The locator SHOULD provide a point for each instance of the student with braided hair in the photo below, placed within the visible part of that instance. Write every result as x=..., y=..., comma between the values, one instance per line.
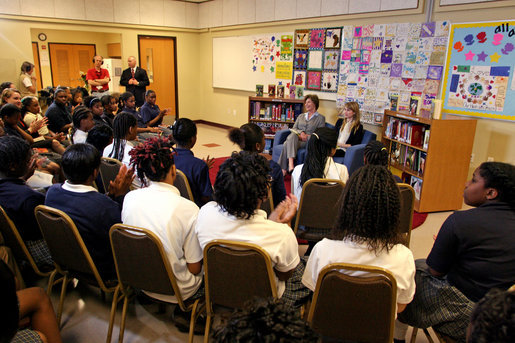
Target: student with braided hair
x=125, y=128
x=473, y=253
x=319, y=162
x=366, y=232
x=250, y=137
x=184, y=132
x=160, y=208
x=82, y=123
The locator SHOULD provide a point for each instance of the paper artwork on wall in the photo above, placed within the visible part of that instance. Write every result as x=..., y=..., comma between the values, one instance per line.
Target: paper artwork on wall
x=317, y=61
x=391, y=59
x=314, y=80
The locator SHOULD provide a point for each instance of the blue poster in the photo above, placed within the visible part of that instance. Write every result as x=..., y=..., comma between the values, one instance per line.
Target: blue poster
x=479, y=71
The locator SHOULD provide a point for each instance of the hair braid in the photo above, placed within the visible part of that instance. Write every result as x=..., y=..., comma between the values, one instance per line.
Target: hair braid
x=320, y=144
x=121, y=125
x=369, y=210
x=153, y=159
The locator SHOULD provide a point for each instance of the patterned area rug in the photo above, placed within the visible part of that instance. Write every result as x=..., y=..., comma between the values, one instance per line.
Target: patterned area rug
x=418, y=218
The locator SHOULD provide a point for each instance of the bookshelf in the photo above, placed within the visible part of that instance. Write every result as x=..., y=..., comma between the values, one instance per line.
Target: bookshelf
x=432, y=155
x=273, y=114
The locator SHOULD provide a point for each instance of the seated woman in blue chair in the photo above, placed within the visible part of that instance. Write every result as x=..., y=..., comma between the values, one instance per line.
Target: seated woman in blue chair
x=350, y=129
x=304, y=126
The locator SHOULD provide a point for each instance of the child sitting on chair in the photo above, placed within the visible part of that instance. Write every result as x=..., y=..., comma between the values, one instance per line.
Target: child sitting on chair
x=184, y=133
x=367, y=233
x=93, y=213
x=319, y=161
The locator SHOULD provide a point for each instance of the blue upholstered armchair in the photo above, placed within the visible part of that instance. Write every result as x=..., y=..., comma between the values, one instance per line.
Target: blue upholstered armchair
x=353, y=157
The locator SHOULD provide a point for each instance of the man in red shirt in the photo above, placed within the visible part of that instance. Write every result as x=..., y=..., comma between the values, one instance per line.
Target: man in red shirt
x=98, y=78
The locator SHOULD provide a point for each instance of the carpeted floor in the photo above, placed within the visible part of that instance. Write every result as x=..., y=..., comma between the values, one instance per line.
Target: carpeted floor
x=418, y=218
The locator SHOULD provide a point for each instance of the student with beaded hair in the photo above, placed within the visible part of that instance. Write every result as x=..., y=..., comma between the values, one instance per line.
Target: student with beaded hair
x=319, y=162
x=250, y=137
x=184, y=133
x=160, y=208
x=366, y=232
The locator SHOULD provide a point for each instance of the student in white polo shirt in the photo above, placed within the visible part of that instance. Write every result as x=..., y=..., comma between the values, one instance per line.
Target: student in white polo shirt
x=160, y=208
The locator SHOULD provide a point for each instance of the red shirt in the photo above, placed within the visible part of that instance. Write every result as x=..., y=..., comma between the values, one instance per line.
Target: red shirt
x=93, y=74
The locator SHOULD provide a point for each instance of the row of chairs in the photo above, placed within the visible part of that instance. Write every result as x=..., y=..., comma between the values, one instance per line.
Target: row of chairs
x=234, y=273
x=59, y=231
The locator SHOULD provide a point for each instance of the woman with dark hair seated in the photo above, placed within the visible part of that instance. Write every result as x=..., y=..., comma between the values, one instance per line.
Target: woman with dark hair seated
x=241, y=185
x=250, y=137
x=366, y=232
x=473, y=252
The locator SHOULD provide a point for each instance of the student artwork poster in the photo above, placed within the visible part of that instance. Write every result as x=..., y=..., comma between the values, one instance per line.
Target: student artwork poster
x=479, y=78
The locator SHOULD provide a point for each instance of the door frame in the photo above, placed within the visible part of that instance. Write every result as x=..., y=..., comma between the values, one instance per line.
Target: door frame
x=39, y=64
x=50, y=56
x=174, y=39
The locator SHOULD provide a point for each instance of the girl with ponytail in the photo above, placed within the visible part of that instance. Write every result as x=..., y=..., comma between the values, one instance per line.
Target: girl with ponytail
x=319, y=161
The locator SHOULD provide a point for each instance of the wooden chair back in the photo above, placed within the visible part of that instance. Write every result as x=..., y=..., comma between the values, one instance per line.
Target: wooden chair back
x=14, y=241
x=182, y=184
x=109, y=168
x=319, y=205
x=406, y=215
x=354, y=308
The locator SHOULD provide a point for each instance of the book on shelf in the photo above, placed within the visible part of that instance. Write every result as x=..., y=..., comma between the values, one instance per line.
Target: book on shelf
x=280, y=91
x=410, y=158
x=259, y=90
x=421, y=163
x=426, y=139
x=414, y=105
x=394, y=101
x=416, y=183
x=402, y=155
x=292, y=91
x=271, y=90
x=395, y=153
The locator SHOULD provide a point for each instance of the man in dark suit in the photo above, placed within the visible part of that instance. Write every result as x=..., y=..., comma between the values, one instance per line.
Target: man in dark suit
x=135, y=81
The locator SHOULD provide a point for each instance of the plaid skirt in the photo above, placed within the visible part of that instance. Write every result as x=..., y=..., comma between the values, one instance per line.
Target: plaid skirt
x=40, y=253
x=296, y=294
x=437, y=304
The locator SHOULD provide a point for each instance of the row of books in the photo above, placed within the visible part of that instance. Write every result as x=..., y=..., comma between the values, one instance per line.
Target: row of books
x=279, y=112
x=271, y=128
x=408, y=132
x=411, y=158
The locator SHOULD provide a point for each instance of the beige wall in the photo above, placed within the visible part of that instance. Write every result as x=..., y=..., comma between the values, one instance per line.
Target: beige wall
x=199, y=100
x=17, y=35
x=493, y=138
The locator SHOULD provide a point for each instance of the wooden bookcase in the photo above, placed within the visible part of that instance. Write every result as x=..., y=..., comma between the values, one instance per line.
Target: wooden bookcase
x=273, y=114
x=438, y=182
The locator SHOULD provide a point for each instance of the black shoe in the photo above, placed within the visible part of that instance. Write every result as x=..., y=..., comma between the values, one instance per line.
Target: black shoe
x=182, y=321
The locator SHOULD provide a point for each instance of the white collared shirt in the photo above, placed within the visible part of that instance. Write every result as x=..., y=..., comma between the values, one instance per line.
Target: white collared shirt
x=78, y=187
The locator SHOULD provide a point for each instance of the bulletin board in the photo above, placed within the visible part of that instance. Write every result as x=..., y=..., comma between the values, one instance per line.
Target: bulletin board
x=383, y=64
x=244, y=61
x=479, y=78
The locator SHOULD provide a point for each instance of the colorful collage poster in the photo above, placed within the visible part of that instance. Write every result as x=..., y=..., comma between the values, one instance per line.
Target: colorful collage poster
x=273, y=55
x=479, y=78
x=382, y=62
x=316, y=58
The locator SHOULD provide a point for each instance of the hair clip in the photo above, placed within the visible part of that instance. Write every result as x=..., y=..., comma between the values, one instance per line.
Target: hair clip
x=314, y=134
x=383, y=148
